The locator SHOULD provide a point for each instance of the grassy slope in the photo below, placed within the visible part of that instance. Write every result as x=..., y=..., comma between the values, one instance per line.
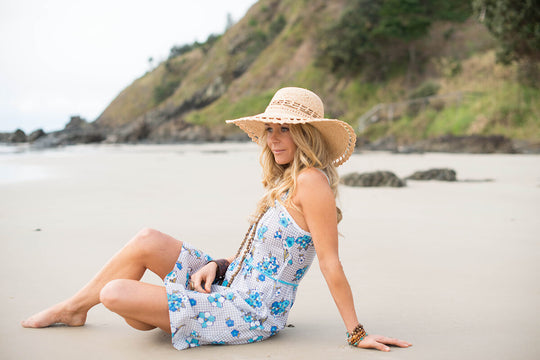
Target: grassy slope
x=459, y=57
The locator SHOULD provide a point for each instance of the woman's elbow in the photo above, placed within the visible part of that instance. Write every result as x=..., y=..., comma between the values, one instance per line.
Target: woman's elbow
x=330, y=265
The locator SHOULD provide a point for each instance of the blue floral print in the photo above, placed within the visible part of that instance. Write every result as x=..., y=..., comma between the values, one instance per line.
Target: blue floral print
x=269, y=265
x=300, y=273
x=192, y=342
x=254, y=299
x=205, y=319
x=171, y=277
x=175, y=302
x=253, y=322
x=279, y=307
x=229, y=322
x=289, y=241
x=255, y=339
x=261, y=231
x=303, y=241
x=216, y=300
x=284, y=220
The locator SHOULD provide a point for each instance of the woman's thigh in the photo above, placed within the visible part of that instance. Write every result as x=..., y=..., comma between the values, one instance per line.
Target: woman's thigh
x=139, y=301
x=158, y=251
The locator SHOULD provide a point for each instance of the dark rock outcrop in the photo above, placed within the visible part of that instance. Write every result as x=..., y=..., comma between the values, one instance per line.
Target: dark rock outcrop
x=18, y=136
x=377, y=178
x=39, y=133
x=475, y=144
x=77, y=131
x=434, y=174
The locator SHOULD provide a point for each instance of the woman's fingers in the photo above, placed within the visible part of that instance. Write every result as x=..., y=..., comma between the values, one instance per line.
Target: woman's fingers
x=381, y=346
x=202, y=280
x=380, y=342
x=392, y=341
x=208, y=283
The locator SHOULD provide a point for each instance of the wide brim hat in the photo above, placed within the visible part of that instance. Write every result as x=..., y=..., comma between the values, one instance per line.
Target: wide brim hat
x=293, y=105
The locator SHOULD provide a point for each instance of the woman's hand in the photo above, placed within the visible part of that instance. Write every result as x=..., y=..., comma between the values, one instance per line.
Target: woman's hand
x=202, y=280
x=379, y=342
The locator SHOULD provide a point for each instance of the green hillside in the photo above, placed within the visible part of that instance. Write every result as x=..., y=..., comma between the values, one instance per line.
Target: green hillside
x=403, y=55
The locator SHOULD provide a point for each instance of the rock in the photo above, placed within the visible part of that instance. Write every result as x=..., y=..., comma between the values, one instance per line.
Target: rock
x=76, y=123
x=434, y=174
x=526, y=146
x=18, y=137
x=4, y=137
x=476, y=144
x=36, y=135
x=62, y=138
x=387, y=143
x=377, y=178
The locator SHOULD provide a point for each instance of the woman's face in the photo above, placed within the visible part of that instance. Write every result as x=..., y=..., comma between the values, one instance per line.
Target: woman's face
x=279, y=140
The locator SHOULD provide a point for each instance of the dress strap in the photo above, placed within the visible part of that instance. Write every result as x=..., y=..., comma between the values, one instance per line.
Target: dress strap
x=327, y=178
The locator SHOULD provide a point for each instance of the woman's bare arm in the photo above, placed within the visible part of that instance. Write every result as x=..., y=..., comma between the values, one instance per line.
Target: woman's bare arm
x=316, y=200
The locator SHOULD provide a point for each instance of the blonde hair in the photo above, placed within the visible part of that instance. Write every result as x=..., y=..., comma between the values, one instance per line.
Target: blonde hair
x=280, y=180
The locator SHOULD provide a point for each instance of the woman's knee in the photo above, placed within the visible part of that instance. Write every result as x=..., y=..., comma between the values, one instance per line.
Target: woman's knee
x=112, y=293
x=146, y=240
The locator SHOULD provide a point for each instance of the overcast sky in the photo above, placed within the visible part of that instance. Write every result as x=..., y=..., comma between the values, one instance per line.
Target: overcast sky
x=62, y=57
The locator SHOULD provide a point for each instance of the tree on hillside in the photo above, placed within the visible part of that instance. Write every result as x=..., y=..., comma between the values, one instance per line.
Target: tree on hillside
x=516, y=25
x=372, y=35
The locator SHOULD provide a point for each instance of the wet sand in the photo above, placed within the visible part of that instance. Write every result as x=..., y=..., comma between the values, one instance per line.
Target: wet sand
x=453, y=268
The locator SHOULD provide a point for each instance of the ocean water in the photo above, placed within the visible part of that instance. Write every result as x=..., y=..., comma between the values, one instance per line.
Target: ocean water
x=21, y=163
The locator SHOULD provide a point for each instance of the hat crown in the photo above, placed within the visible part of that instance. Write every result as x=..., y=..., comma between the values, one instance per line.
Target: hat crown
x=296, y=102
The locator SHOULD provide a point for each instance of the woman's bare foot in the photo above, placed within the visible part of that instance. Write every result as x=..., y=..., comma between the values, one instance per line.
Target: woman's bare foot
x=61, y=313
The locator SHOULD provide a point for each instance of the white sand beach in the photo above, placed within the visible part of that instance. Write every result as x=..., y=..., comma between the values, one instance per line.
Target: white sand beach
x=453, y=267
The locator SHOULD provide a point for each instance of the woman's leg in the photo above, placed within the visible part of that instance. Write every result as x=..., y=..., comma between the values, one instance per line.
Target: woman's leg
x=143, y=306
x=149, y=249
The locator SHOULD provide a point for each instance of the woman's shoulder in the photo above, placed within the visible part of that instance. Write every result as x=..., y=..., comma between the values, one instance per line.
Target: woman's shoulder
x=312, y=177
x=313, y=189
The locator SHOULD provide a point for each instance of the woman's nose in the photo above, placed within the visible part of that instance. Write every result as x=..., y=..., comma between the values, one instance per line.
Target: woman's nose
x=274, y=137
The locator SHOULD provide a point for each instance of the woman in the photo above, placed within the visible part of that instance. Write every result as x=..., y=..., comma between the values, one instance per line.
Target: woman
x=247, y=297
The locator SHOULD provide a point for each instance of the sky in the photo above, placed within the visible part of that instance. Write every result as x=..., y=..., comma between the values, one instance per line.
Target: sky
x=60, y=58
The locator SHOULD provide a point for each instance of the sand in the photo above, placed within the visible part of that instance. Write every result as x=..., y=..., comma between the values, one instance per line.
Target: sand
x=451, y=267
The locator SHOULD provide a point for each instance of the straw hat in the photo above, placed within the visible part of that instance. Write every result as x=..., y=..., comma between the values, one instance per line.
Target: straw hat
x=300, y=106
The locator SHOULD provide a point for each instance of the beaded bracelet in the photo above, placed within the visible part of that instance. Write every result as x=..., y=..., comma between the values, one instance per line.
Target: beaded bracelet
x=357, y=335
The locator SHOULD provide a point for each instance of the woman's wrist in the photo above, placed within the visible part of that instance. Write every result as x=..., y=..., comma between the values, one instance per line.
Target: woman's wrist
x=356, y=335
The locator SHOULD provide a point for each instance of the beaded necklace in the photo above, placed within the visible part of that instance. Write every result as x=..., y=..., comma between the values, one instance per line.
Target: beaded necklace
x=248, y=238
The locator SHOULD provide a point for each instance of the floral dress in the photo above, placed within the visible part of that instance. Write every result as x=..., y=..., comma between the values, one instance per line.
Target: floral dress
x=257, y=303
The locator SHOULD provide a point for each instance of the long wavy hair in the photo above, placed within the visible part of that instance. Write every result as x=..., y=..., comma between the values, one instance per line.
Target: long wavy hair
x=280, y=181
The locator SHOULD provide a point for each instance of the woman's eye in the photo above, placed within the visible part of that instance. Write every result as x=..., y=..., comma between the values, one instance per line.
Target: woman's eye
x=284, y=129
x=269, y=129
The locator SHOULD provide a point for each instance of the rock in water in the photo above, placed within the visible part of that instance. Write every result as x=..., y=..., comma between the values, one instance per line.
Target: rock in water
x=18, y=137
x=377, y=178
x=36, y=135
x=434, y=174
